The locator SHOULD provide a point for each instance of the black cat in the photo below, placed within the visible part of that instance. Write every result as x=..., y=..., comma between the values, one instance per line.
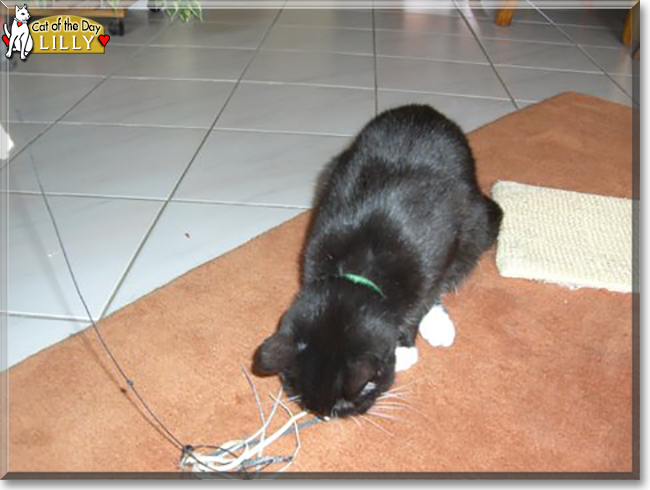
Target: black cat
x=398, y=221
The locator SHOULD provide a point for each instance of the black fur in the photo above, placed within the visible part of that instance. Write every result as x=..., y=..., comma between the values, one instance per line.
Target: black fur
x=401, y=207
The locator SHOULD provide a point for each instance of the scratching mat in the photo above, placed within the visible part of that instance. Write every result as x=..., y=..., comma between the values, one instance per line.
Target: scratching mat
x=566, y=237
x=538, y=379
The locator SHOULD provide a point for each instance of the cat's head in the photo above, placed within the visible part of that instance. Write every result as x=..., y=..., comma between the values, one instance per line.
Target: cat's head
x=334, y=355
x=22, y=14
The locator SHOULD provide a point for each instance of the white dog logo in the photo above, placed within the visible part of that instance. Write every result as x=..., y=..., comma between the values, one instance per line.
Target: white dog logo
x=20, y=39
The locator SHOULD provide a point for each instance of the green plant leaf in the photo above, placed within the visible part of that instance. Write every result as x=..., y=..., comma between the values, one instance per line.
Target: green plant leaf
x=185, y=10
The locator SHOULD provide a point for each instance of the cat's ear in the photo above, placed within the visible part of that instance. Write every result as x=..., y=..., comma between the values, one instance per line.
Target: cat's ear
x=275, y=353
x=17, y=9
x=25, y=6
x=358, y=374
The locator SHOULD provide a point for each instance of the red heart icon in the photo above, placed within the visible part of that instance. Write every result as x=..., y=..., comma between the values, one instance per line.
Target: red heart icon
x=104, y=39
x=5, y=39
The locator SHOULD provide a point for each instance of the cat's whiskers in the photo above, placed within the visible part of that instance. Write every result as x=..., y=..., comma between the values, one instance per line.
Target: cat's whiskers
x=389, y=402
x=382, y=415
x=408, y=406
x=390, y=408
x=378, y=426
x=384, y=396
x=401, y=387
x=396, y=393
x=390, y=397
x=397, y=389
x=354, y=419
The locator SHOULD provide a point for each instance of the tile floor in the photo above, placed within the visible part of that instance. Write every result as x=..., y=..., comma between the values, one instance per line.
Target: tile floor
x=186, y=140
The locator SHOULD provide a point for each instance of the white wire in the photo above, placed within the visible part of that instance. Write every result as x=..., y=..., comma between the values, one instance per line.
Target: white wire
x=297, y=432
x=225, y=461
x=219, y=462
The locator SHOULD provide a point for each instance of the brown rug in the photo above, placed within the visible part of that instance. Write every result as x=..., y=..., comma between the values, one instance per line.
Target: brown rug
x=539, y=378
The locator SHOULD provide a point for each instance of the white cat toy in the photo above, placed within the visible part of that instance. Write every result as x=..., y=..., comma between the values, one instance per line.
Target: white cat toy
x=20, y=39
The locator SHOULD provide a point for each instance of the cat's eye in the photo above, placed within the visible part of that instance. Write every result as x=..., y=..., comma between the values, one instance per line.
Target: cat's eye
x=301, y=345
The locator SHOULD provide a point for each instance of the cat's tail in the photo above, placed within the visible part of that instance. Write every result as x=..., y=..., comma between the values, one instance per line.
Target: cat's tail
x=6, y=31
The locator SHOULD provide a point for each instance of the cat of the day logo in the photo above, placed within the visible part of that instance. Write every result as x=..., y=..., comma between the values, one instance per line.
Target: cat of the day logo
x=54, y=34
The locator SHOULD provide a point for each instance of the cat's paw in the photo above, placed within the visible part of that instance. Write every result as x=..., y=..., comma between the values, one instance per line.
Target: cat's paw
x=437, y=328
x=405, y=357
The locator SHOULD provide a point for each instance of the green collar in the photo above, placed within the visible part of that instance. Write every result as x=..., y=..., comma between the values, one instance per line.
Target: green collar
x=364, y=282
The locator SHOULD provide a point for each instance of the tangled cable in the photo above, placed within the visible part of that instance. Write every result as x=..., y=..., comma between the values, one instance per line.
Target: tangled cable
x=240, y=455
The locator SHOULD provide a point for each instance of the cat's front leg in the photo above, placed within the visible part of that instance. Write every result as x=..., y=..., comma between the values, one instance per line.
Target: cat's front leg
x=437, y=328
x=406, y=354
x=405, y=357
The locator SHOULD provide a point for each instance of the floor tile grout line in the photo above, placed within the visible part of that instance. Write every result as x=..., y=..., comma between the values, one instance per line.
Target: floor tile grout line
x=220, y=202
x=233, y=23
x=441, y=60
x=283, y=131
x=254, y=130
x=131, y=125
x=60, y=75
x=316, y=51
x=215, y=48
x=302, y=84
x=23, y=192
x=487, y=55
x=188, y=200
x=544, y=68
x=447, y=94
x=488, y=37
x=597, y=69
x=174, y=79
x=202, y=46
x=156, y=219
x=584, y=51
x=326, y=27
x=43, y=316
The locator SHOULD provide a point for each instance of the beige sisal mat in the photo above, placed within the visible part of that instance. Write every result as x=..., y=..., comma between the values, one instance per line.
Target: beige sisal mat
x=565, y=237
